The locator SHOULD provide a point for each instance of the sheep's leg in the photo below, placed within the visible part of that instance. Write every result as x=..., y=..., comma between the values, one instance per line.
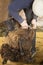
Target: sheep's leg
x=29, y=58
x=20, y=47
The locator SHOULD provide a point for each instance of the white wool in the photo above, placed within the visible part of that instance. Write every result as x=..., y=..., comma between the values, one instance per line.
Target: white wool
x=38, y=7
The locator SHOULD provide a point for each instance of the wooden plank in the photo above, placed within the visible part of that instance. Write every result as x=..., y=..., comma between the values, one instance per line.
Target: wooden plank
x=4, y=9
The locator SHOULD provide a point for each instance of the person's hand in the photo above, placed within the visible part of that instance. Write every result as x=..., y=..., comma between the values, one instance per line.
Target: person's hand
x=34, y=24
x=24, y=25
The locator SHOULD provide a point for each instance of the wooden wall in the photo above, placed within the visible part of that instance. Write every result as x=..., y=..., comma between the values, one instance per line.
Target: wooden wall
x=4, y=9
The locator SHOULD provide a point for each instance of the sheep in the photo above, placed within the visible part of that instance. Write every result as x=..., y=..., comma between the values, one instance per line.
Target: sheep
x=19, y=46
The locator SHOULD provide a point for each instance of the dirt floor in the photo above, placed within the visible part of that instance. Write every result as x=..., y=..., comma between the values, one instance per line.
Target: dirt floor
x=39, y=53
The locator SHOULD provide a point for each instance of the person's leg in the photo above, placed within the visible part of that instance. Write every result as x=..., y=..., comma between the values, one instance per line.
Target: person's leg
x=33, y=50
x=12, y=12
x=30, y=16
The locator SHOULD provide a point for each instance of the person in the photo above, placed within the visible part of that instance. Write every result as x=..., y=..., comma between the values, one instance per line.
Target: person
x=37, y=9
x=37, y=14
x=14, y=7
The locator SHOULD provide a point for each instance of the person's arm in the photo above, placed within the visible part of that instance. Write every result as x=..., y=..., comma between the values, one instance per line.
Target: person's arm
x=21, y=21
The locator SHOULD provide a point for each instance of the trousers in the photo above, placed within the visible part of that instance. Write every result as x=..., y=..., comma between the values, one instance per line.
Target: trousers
x=17, y=5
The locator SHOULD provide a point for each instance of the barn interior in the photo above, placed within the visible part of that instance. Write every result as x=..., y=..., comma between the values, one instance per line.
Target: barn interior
x=38, y=59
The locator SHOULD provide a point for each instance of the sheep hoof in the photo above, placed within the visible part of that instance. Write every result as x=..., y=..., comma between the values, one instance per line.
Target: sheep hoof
x=4, y=61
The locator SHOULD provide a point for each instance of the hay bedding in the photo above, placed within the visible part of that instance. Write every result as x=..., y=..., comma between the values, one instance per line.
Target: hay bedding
x=20, y=41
